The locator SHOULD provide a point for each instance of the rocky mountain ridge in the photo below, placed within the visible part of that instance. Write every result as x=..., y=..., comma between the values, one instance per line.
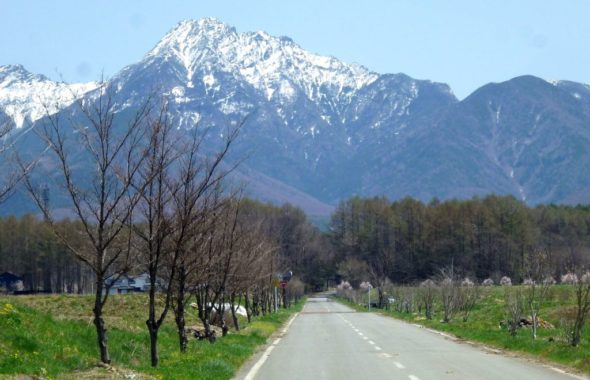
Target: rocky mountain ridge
x=317, y=130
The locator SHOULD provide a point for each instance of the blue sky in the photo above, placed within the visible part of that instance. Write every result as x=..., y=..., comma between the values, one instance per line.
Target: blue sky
x=463, y=43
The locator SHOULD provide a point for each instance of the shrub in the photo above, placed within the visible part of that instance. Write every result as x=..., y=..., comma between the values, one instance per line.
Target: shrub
x=467, y=282
x=528, y=281
x=344, y=285
x=345, y=290
x=569, y=278
x=488, y=282
x=505, y=281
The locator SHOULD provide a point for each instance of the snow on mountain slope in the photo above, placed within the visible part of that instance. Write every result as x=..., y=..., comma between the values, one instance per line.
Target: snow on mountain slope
x=273, y=65
x=27, y=97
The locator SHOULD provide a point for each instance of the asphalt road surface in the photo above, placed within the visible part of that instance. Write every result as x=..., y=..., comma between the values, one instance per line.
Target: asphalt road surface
x=328, y=340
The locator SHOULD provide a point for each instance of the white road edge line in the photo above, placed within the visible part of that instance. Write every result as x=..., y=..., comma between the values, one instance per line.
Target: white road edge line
x=371, y=342
x=559, y=370
x=450, y=337
x=399, y=365
x=256, y=367
x=412, y=377
x=378, y=348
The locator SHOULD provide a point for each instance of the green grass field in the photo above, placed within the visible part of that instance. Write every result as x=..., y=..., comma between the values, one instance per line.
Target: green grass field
x=54, y=337
x=483, y=326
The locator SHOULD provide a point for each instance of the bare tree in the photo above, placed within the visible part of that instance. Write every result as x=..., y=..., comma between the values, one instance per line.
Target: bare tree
x=536, y=286
x=449, y=293
x=426, y=295
x=100, y=198
x=156, y=188
x=218, y=257
x=254, y=250
x=9, y=177
x=469, y=295
x=197, y=198
x=514, y=308
x=582, y=307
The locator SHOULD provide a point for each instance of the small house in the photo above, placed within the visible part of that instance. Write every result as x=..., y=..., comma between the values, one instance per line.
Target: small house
x=129, y=284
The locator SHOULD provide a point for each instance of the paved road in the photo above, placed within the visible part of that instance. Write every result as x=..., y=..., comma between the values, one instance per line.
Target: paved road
x=330, y=341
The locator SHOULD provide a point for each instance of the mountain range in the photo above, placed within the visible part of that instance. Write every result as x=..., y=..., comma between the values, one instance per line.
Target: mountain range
x=317, y=130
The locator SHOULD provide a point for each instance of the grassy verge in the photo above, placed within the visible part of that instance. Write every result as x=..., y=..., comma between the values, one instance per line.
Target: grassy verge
x=53, y=337
x=483, y=326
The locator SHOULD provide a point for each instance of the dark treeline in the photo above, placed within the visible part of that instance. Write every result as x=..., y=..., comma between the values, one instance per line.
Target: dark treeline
x=301, y=247
x=30, y=249
x=496, y=236
x=369, y=239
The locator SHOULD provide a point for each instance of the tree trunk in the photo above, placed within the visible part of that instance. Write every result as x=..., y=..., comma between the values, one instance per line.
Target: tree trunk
x=151, y=323
x=101, y=332
x=247, y=306
x=233, y=311
x=179, y=311
x=224, y=328
x=577, y=333
x=381, y=296
x=153, y=345
x=285, y=305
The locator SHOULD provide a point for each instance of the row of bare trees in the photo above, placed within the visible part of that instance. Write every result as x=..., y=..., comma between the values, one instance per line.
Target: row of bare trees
x=155, y=200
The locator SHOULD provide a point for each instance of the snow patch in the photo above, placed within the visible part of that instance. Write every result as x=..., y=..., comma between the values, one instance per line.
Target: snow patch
x=209, y=80
x=498, y=111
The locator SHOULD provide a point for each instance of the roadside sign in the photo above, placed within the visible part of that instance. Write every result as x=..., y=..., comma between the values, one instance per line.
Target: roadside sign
x=276, y=282
x=284, y=283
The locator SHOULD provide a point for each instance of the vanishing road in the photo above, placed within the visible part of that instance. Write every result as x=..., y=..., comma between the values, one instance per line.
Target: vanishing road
x=330, y=341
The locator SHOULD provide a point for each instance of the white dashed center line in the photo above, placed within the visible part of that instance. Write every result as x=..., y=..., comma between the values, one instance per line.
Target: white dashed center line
x=399, y=365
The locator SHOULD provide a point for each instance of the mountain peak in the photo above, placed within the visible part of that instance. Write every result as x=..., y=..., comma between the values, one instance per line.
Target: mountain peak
x=208, y=26
x=11, y=73
x=25, y=96
x=191, y=34
x=275, y=65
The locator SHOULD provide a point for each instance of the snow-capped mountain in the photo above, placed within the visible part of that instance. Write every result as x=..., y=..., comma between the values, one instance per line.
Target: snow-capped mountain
x=308, y=114
x=270, y=64
x=27, y=97
x=317, y=130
